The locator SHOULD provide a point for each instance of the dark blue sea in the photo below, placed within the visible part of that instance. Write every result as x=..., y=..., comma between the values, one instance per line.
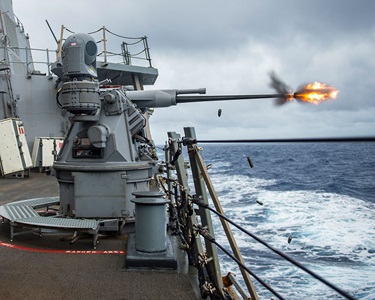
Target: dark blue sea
x=322, y=195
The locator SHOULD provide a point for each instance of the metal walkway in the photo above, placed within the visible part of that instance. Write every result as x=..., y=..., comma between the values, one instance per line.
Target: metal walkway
x=23, y=214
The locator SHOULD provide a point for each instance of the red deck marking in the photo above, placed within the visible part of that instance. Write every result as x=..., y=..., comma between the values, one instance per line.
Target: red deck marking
x=38, y=250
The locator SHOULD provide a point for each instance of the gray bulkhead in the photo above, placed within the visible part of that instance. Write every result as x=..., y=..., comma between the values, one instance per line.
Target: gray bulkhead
x=25, y=92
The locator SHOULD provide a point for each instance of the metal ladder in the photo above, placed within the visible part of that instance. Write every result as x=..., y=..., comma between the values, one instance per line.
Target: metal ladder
x=12, y=104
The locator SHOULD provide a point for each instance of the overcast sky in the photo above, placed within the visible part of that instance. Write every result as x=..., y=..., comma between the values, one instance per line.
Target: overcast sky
x=230, y=47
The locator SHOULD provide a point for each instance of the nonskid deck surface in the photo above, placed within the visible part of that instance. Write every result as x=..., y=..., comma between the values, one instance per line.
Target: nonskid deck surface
x=50, y=267
x=36, y=186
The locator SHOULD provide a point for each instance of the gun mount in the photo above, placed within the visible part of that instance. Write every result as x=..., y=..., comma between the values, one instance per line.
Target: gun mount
x=107, y=155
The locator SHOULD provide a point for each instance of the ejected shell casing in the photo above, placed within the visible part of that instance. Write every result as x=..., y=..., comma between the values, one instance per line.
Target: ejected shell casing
x=250, y=162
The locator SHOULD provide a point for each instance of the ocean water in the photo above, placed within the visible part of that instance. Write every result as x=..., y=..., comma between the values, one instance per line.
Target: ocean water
x=320, y=194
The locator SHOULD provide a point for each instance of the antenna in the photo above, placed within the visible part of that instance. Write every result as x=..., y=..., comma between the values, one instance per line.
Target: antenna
x=54, y=36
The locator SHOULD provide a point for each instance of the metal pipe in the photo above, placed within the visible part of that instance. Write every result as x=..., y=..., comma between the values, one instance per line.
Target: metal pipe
x=188, y=99
x=104, y=45
x=53, y=34
x=48, y=64
x=6, y=113
x=147, y=50
x=205, y=216
x=228, y=231
x=61, y=41
x=27, y=63
x=233, y=279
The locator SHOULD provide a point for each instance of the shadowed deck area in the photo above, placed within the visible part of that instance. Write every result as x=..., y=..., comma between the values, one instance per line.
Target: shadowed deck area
x=50, y=267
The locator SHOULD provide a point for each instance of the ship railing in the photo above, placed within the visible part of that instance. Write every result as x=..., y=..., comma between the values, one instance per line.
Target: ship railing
x=131, y=48
x=36, y=61
x=191, y=224
x=194, y=225
x=23, y=56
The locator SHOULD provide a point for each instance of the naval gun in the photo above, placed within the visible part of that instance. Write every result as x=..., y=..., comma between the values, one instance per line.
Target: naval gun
x=166, y=98
x=107, y=155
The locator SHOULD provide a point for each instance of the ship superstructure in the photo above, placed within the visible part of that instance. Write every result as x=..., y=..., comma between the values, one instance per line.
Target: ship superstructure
x=28, y=88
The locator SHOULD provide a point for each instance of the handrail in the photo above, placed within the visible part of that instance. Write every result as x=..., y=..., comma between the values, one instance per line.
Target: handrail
x=298, y=140
x=141, y=53
x=184, y=223
x=24, y=59
x=228, y=231
x=125, y=54
x=204, y=230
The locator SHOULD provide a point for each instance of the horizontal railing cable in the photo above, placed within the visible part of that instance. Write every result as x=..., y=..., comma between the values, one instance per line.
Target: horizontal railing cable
x=126, y=37
x=211, y=239
x=283, y=255
x=295, y=140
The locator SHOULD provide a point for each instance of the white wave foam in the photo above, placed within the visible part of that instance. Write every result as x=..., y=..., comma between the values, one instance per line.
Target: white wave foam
x=334, y=231
x=314, y=219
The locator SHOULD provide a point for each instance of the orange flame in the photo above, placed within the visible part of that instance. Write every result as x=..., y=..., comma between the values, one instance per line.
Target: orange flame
x=315, y=93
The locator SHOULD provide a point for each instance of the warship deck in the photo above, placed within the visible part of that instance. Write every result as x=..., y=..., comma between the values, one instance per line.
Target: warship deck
x=50, y=267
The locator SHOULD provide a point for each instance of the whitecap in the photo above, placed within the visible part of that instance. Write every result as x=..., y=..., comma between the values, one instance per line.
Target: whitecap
x=330, y=232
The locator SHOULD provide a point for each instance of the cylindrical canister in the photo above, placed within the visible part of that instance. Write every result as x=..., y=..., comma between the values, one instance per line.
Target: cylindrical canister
x=150, y=223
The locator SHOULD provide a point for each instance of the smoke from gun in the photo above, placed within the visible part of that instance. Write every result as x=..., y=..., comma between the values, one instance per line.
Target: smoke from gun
x=314, y=93
x=282, y=89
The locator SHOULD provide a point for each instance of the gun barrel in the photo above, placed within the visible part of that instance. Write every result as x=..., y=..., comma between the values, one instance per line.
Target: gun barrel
x=189, y=99
x=166, y=98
